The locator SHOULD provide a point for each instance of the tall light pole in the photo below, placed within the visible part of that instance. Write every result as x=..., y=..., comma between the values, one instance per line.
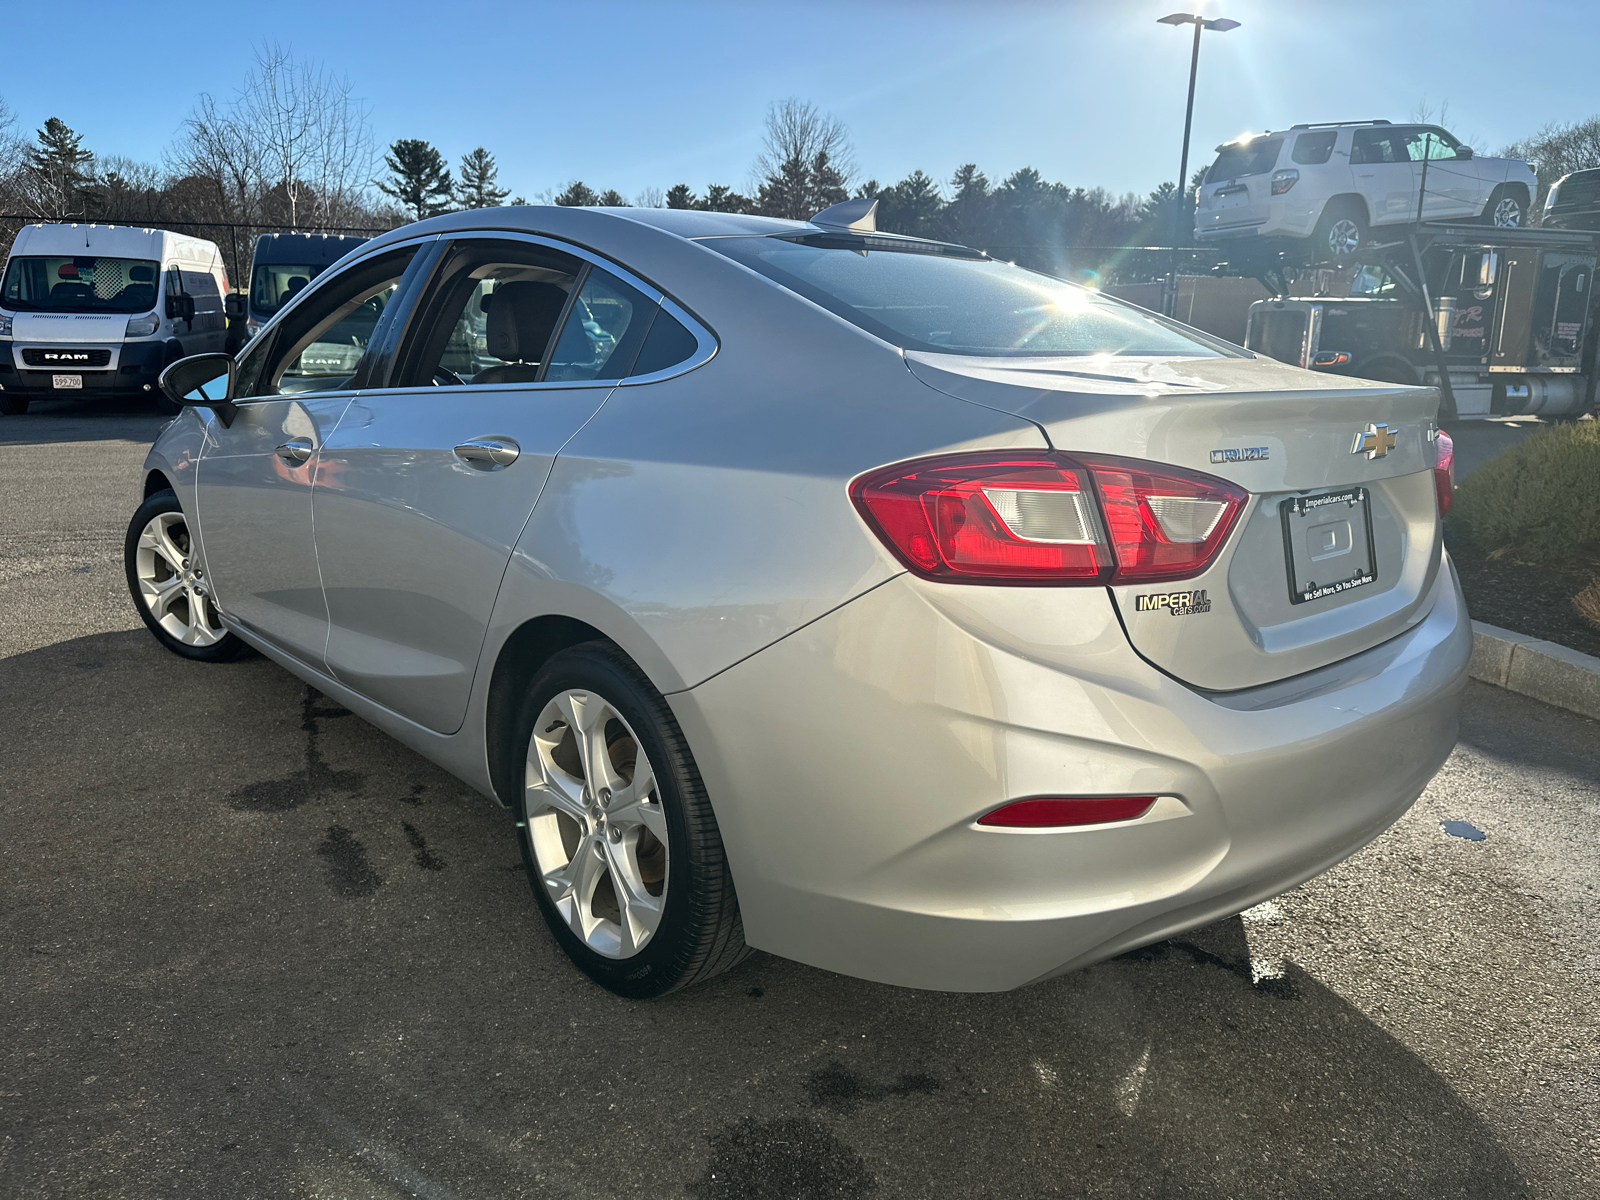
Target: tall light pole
x=1169, y=294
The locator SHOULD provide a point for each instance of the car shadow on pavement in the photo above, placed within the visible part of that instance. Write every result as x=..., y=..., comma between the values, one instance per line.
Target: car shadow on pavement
x=257, y=948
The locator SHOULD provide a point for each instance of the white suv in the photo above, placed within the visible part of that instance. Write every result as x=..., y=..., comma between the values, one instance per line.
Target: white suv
x=1331, y=183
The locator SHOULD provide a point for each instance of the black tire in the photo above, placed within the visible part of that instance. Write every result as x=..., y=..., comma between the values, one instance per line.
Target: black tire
x=13, y=406
x=700, y=933
x=226, y=648
x=165, y=405
x=1340, y=234
x=1515, y=197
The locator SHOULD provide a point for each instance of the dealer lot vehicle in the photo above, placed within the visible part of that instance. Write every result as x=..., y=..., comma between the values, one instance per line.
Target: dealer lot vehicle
x=1333, y=185
x=1513, y=312
x=853, y=597
x=91, y=310
x=284, y=263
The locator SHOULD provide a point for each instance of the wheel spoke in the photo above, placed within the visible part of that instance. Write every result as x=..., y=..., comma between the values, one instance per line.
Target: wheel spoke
x=170, y=550
x=159, y=594
x=639, y=910
x=572, y=884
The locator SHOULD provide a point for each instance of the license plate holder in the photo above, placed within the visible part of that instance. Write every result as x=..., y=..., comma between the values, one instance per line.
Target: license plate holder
x=1327, y=543
x=66, y=381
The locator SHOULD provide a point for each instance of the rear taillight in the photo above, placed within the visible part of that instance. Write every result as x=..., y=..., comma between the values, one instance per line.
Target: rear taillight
x=1048, y=519
x=1444, y=470
x=1282, y=181
x=1053, y=812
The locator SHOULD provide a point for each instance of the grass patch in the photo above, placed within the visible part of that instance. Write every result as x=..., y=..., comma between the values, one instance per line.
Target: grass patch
x=1539, y=502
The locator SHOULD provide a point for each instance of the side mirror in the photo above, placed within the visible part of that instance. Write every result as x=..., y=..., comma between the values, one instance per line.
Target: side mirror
x=180, y=308
x=203, y=381
x=1463, y=152
x=233, y=305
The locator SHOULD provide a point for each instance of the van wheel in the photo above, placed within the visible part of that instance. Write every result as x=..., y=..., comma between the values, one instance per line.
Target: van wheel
x=13, y=406
x=620, y=844
x=1340, y=233
x=165, y=405
x=1507, y=207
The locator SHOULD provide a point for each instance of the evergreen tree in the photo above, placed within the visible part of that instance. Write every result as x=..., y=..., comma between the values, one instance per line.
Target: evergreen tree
x=724, y=199
x=612, y=198
x=57, y=164
x=420, y=180
x=679, y=196
x=913, y=206
x=577, y=194
x=964, y=219
x=477, y=188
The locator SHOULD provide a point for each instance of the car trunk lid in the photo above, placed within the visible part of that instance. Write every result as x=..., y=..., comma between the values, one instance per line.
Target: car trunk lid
x=1352, y=565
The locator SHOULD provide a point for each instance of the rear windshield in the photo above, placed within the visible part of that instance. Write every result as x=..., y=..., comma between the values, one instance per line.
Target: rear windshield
x=272, y=285
x=79, y=283
x=958, y=304
x=1238, y=159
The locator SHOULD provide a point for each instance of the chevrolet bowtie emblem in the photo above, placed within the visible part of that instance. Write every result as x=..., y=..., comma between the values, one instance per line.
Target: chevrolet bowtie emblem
x=1375, y=441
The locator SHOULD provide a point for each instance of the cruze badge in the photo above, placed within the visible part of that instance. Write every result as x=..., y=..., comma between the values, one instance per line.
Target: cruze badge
x=1179, y=604
x=1239, y=454
x=1375, y=441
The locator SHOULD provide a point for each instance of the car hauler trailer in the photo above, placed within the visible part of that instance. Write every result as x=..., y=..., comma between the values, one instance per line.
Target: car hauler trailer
x=1502, y=321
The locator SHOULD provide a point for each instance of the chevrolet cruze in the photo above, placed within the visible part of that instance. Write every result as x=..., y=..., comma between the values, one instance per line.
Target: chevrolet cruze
x=854, y=597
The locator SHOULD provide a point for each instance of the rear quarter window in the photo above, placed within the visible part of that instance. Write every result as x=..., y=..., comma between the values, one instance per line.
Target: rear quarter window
x=1314, y=148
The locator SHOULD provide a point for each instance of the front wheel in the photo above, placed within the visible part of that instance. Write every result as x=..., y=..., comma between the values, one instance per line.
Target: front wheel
x=13, y=406
x=618, y=837
x=169, y=585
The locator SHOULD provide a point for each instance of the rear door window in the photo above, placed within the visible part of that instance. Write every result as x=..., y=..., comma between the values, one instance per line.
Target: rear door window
x=603, y=331
x=1314, y=147
x=1377, y=146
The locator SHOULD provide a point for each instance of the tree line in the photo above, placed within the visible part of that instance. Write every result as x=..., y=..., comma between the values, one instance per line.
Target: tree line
x=293, y=148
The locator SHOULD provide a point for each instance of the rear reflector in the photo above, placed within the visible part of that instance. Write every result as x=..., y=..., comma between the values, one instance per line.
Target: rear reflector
x=1444, y=470
x=1048, y=518
x=1052, y=811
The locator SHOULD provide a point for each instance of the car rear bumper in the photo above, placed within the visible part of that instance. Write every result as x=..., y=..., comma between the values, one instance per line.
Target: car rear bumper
x=849, y=762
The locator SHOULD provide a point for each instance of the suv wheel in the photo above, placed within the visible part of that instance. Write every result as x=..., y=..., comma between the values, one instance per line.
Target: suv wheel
x=1507, y=208
x=1340, y=233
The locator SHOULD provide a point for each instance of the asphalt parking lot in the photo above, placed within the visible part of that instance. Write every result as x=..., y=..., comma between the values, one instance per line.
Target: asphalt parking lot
x=255, y=948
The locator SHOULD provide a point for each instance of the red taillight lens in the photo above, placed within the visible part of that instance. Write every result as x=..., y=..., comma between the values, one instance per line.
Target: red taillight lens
x=1444, y=471
x=1048, y=518
x=989, y=518
x=1052, y=811
x=1165, y=523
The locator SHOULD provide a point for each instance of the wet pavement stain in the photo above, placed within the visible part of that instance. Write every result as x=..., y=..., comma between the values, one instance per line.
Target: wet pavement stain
x=791, y=1158
x=423, y=857
x=1463, y=829
x=315, y=781
x=841, y=1090
x=350, y=874
x=416, y=794
x=1280, y=987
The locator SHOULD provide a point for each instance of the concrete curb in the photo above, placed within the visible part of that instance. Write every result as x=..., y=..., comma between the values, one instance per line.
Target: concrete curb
x=1535, y=668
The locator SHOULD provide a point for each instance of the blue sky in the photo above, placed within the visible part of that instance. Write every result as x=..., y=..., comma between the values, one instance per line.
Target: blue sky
x=634, y=93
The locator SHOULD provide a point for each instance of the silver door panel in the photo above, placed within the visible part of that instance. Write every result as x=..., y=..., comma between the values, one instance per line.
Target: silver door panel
x=255, y=514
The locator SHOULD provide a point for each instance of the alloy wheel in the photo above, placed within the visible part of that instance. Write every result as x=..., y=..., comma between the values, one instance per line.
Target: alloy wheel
x=172, y=584
x=596, y=824
x=1344, y=236
x=1508, y=212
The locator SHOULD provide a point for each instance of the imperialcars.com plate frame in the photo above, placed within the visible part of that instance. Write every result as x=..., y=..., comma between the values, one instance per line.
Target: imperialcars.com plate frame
x=1300, y=506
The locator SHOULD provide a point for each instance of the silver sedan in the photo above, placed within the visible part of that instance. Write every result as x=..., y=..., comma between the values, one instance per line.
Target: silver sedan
x=854, y=597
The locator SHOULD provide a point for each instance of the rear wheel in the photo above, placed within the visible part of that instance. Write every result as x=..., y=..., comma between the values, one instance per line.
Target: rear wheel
x=169, y=585
x=618, y=837
x=13, y=406
x=1507, y=207
x=1340, y=233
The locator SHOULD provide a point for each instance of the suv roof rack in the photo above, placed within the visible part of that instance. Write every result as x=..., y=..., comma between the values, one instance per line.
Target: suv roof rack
x=1332, y=124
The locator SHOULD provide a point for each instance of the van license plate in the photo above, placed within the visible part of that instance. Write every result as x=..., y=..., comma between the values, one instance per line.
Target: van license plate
x=1327, y=540
x=66, y=381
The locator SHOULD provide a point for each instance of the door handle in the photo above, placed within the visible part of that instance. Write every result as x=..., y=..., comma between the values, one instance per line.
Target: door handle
x=488, y=453
x=295, y=450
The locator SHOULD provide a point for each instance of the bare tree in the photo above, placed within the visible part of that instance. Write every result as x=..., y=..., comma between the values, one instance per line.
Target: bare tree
x=1558, y=150
x=805, y=161
x=293, y=139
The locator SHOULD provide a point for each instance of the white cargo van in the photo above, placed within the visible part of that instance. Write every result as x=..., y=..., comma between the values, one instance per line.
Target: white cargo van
x=92, y=310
